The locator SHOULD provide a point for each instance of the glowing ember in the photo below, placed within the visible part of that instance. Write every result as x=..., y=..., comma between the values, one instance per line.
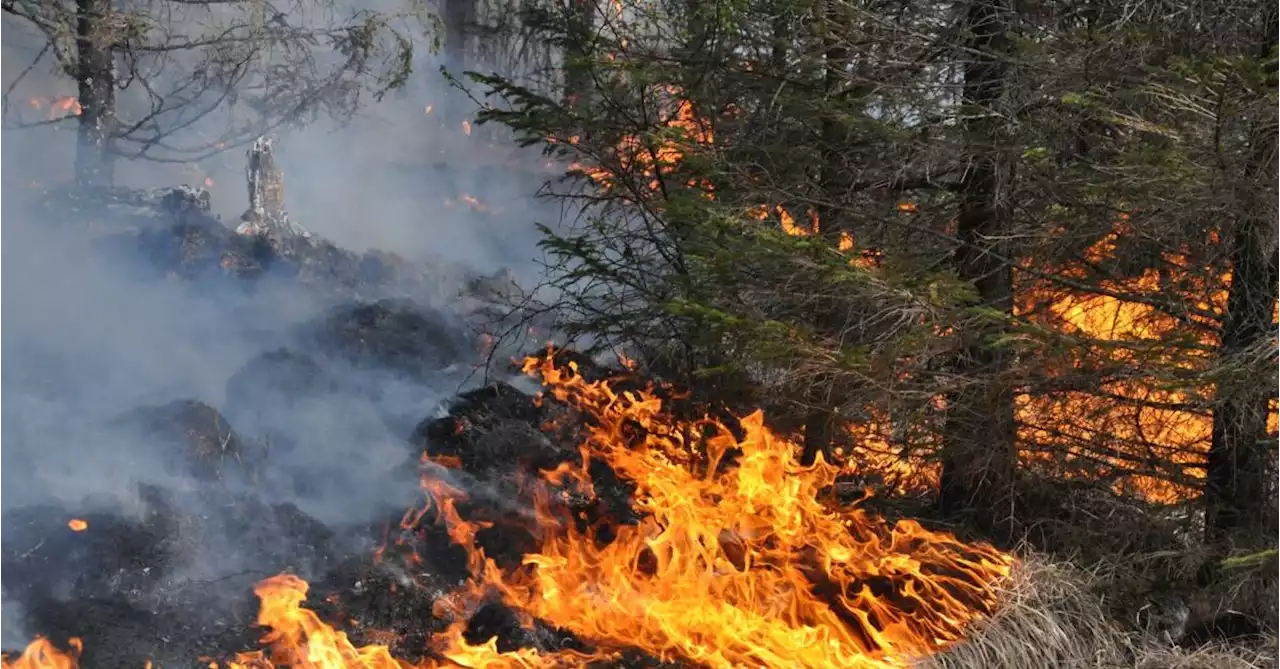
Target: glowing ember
x=474, y=203
x=78, y=524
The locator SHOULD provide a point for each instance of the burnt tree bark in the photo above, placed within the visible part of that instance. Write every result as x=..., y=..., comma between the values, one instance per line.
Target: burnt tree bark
x=95, y=77
x=979, y=456
x=1239, y=493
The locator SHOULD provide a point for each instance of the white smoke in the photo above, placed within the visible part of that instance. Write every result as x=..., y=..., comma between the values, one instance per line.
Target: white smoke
x=86, y=337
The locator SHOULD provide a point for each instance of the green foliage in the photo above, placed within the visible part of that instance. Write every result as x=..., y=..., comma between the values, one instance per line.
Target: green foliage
x=1119, y=145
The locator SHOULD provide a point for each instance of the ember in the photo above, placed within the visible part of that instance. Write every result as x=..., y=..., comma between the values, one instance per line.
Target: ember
x=78, y=524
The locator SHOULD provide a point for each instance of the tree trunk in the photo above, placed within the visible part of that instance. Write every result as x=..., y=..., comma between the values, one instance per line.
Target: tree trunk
x=1239, y=497
x=95, y=76
x=979, y=458
x=820, y=422
x=1239, y=493
x=782, y=39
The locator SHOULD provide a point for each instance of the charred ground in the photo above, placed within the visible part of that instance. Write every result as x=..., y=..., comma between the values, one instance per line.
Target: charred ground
x=143, y=581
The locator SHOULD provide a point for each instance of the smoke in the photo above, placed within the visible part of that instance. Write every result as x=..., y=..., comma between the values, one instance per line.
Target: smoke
x=88, y=337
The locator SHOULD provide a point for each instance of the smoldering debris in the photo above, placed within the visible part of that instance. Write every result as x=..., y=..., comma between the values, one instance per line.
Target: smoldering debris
x=330, y=394
x=126, y=585
x=396, y=336
x=137, y=582
x=172, y=232
x=193, y=437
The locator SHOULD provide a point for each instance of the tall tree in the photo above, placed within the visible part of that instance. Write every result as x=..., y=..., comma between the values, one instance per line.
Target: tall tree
x=180, y=80
x=837, y=104
x=979, y=456
x=95, y=76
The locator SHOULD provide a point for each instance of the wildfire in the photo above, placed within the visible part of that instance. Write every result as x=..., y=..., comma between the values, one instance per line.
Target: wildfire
x=740, y=558
x=78, y=524
x=42, y=654
x=659, y=157
x=733, y=564
x=57, y=107
x=299, y=638
x=1147, y=426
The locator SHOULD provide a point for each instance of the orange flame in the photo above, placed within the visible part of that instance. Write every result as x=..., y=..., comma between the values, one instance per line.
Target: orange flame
x=474, y=203
x=735, y=564
x=739, y=559
x=42, y=654
x=1145, y=425
x=57, y=107
x=78, y=524
x=648, y=162
x=466, y=128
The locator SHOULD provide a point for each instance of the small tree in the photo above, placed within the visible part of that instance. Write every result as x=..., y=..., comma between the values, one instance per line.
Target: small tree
x=155, y=76
x=711, y=140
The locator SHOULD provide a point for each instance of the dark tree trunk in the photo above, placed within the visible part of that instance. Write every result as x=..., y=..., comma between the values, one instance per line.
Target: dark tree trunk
x=459, y=22
x=820, y=423
x=1239, y=494
x=95, y=75
x=782, y=38
x=979, y=458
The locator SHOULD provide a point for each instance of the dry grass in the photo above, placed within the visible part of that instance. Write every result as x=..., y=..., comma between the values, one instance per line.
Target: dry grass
x=1054, y=615
x=1208, y=657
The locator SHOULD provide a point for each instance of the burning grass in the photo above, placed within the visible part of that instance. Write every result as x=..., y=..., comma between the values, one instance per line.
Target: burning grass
x=1050, y=615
